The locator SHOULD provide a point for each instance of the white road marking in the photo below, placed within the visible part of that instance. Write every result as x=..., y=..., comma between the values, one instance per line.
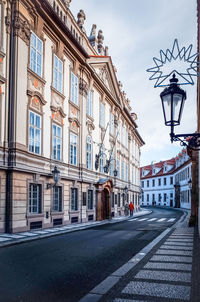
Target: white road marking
x=172, y=219
x=142, y=219
x=162, y=219
x=152, y=219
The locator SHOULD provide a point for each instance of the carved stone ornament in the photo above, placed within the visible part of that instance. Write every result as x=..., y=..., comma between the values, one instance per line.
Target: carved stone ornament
x=74, y=124
x=36, y=100
x=90, y=126
x=81, y=18
x=22, y=29
x=57, y=103
x=57, y=115
x=103, y=74
x=92, y=37
x=34, y=84
x=83, y=87
x=67, y=2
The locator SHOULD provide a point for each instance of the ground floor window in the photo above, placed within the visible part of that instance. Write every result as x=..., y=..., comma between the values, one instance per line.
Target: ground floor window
x=113, y=199
x=74, y=199
x=57, y=199
x=119, y=199
x=35, y=198
x=90, y=199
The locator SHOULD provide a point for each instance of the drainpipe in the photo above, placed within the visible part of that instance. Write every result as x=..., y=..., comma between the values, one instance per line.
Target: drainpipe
x=11, y=120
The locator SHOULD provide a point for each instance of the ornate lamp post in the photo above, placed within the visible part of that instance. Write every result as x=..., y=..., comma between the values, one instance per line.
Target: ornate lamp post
x=173, y=99
x=56, y=178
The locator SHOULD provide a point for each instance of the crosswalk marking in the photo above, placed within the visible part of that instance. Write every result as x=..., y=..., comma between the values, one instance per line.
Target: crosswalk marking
x=152, y=219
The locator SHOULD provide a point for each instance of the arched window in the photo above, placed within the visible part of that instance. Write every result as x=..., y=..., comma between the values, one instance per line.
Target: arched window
x=57, y=10
x=89, y=152
x=54, y=5
x=61, y=15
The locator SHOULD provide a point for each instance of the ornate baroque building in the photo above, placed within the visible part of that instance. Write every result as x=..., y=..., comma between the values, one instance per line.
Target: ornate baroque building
x=61, y=108
x=166, y=183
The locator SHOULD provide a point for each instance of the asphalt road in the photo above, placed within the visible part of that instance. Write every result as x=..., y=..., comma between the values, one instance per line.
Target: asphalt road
x=66, y=267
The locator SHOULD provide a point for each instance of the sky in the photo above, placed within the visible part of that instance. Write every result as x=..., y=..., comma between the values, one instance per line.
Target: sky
x=135, y=31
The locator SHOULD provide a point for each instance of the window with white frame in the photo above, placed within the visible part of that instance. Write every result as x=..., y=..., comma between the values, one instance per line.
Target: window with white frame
x=111, y=124
x=102, y=115
x=74, y=199
x=35, y=198
x=118, y=168
x=56, y=141
x=57, y=199
x=90, y=200
x=89, y=152
x=36, y=54
x=101, y=160
x=126, y=172
x=122, y=170
x=111, y=172
x=74, y=88
x=89, y=103
x=34, y=132
x=73, y=148
x=57, y=73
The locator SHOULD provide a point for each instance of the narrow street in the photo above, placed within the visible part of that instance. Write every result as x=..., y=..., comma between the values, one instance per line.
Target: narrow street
x=67, y=267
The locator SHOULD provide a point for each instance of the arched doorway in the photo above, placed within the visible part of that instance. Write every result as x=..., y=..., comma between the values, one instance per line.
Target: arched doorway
x=103, y=204
x=105, y=199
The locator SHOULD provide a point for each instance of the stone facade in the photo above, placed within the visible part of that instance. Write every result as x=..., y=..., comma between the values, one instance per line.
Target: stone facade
x=62, y=106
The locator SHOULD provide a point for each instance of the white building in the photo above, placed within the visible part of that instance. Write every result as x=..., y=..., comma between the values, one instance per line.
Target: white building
x=166, y=183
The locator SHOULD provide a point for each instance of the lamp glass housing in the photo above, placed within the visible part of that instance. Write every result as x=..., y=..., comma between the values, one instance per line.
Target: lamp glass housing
x=173, y=99
x=56, y=175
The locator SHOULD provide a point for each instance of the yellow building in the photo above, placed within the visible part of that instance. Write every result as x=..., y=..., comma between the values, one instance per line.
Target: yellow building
x=62, y=109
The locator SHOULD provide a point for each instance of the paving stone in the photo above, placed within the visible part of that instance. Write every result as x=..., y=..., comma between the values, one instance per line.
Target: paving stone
x=169, y=266
x=124, y=269
x=105, y=285
x=28, y=234
x=91, y=298
x=158, y=290
x=125, y=300
x=180, y=240
x=12, y=236
x=178, y=243
x=174, y=252
x=171, y=259
x=164, y=276
x=176, y=247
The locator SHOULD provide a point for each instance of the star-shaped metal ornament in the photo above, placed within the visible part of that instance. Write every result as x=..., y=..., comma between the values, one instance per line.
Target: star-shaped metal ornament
x=184, y=55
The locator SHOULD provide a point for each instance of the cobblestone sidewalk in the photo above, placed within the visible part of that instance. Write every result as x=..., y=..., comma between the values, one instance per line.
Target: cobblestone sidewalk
x=167, y=270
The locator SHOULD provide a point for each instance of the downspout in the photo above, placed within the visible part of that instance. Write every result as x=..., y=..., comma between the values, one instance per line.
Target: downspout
x=11, y=120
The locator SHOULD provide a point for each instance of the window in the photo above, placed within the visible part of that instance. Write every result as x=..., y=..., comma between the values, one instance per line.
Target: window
x=35, y=202
x=122, y=171
x=102, y=115
x=74, y=88
x=73, y=149
x=118, y=168
x=147, y=183
x=171, y=195
x=142, y=184
x=126, y=172
x=153, y=182
x=89, y=153
x=118, y=200
x=171, y=180
x=159, y=197
x=111, y=169
x=147, y=197
x=74, y=199
x=34, y=133
x=159, y=181
x=36, y=53
x=56, y=142
x=89, y=103
x=165, y=197
x=57, y=199
x=90, y=199
x=113, y=199
x=165, y=181
x=111, y=124
x=57, y=74
x=153, y=197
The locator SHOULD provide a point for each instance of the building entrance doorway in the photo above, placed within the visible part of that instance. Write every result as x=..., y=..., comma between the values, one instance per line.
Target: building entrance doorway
x=105, y=199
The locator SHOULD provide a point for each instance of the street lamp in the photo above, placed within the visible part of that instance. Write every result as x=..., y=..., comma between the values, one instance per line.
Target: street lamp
x=173, y=99
x=56, y=178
